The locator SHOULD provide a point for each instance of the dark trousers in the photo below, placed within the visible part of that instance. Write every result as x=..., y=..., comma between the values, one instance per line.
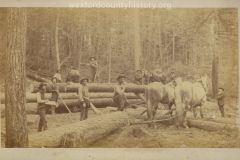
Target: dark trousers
x=221, y=108
x=93, y=74
x=84, y=111
x=43, y=121
x=120, y=100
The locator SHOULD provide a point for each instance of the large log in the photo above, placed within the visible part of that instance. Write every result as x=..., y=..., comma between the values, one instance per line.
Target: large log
x=34, y=87
x=99, y=87
x=99, y=103
x=38, y=78
x=32, y=97
x=82, y=133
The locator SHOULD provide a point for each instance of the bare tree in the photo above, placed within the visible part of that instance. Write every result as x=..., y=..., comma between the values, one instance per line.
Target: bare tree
x=16, y=119
x=137, y=46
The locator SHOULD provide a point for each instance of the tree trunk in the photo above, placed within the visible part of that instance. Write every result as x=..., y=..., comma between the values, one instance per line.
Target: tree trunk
x=98, y=103
x=137, y=46
x=214, y=30
x=56, y=44
x=37, y=78
x=32, y=97
x=99, y=87
x=16, y=119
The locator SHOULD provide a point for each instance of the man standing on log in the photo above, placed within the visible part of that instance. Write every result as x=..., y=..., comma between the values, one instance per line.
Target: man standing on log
x=221, y=100
x=41, y=108
x=83, y=97
x=94, y=69
x=119, y=93
x=54, y=96
x=58, y=76
x=172, y=78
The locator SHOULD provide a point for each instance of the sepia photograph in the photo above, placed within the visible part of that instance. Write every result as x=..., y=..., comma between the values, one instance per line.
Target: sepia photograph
x=95, y=75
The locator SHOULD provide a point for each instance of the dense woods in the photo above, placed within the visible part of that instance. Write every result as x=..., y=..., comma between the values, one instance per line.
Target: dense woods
x=189, y=41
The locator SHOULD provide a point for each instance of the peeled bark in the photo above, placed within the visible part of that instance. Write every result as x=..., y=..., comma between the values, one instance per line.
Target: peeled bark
x=37, y=78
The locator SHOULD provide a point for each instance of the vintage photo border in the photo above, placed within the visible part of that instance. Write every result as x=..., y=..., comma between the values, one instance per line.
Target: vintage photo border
x=122, y=153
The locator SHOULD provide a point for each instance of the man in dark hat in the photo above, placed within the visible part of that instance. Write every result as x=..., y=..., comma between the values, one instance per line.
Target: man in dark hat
x=94, y=69
x=119, y=93
x=58, y=76
x=41, y=107
x=221, y=100
x=158, y=76
x=83, y=97
x=54, y=96
x=172, y=78
x=139, y=77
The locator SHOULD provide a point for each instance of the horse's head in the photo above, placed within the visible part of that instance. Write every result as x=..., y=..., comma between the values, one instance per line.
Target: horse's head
x=204, y=82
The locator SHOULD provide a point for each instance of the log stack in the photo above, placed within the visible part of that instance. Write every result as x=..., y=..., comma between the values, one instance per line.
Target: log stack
x=100, y=94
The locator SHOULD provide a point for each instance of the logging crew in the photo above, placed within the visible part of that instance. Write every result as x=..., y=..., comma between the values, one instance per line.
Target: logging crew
x=221, y=100
x=139, y=77
x=41, y=107
x=94, y=69
x=58, y=76
x=83, y=97
x=55, y=93
x=119, y=93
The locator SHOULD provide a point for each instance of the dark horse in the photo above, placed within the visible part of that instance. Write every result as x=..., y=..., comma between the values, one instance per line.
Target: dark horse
x=73, y=76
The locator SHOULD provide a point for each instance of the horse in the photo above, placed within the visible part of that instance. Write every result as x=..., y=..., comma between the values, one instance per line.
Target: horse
x=73, y=76
x=157, y=92
x=189, y=96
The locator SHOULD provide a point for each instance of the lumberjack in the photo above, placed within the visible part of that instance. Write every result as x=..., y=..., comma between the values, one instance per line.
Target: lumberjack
x=83, y=97
x=58, y=76
x=54, y=96
x=41, y=107
x=94, y=68
x=119, y=93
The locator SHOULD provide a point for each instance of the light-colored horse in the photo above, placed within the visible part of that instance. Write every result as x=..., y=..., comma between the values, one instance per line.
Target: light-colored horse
x=190, y=95
x=157, y=92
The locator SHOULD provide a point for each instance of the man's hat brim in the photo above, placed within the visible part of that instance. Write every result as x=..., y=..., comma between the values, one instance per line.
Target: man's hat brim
x=221, y=88
x=92, y=57
x=42, y=84
x=120, y=76
x=84, y=79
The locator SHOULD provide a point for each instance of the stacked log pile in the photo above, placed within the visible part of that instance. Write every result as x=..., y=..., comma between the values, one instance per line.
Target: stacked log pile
x=100, y=94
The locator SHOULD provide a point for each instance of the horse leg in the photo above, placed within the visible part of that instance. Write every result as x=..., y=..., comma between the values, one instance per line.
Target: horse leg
x=155, y=107
x=194, y=112
x=201, y=111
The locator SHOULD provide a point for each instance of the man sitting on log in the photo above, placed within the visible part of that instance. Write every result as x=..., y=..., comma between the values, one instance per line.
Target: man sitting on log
x=58, y=76
x=138, y=77
x=83, y=97
x=119, y=93
x=54, y=96
x=158, y=76
x=41, y=107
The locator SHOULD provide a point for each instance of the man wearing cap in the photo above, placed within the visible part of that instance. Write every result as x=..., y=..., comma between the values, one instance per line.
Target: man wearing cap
x=119, y=93
x=221, y=100
x=54, y=96
x=94, y=68
x=138, y=77
x=172, y=78
x=83, y=97
x=58, y=76
x=41, y=107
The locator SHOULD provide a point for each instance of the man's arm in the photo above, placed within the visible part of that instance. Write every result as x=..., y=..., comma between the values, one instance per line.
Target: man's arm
x=39, y=99
x=119, y=90
x=94, y=64
x=220, y=96
x=80, y=96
